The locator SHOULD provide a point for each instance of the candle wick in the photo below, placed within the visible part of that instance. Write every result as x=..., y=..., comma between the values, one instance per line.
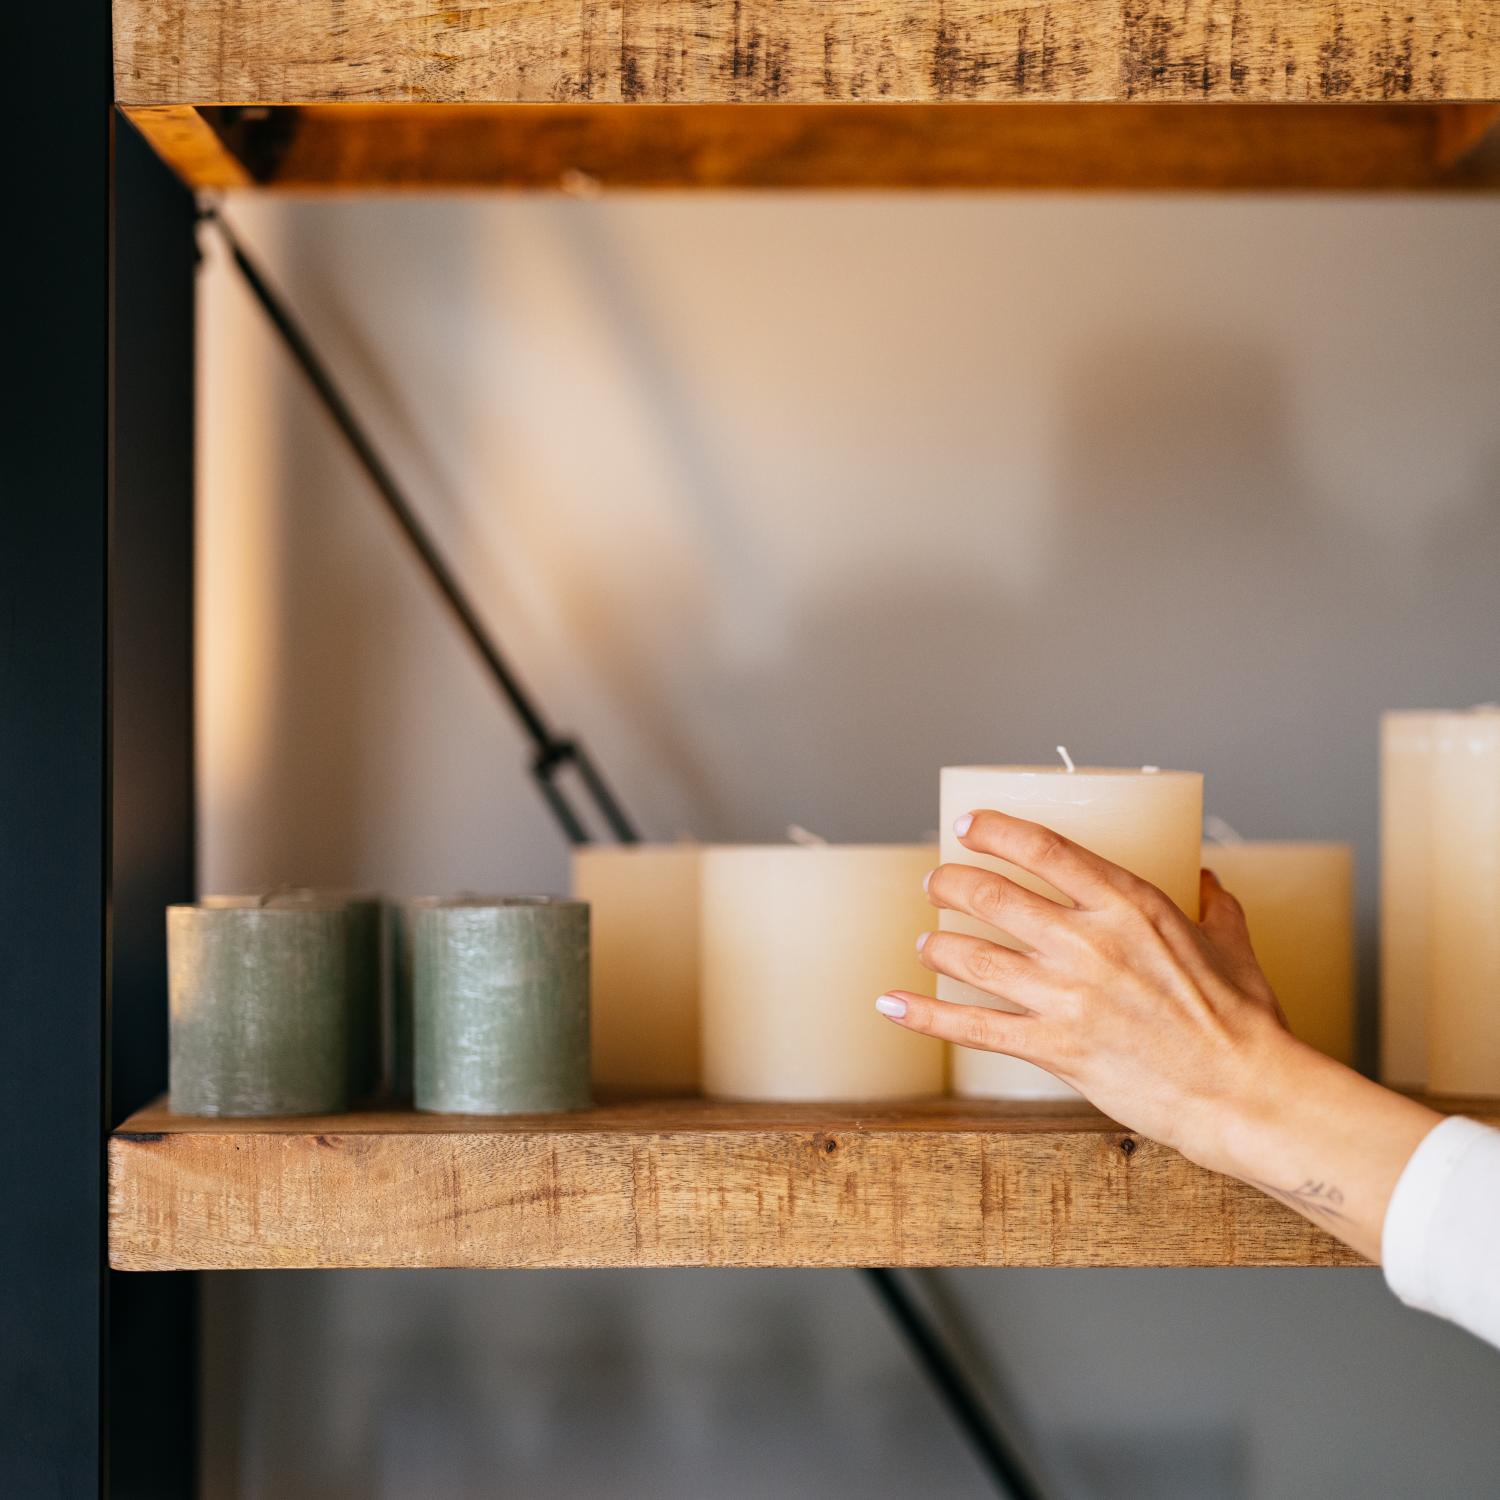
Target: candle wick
x=802, y=838
x=1067, y=759
x=1219, y=832
x=1150, y=770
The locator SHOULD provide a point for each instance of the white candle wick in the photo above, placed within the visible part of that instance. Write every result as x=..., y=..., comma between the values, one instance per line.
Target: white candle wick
x=798, y=835
x=1067, y=759
x=1219, y=832
x=1150, y=770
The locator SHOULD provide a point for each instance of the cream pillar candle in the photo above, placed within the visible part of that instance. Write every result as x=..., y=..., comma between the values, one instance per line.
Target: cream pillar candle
x=643, y=1008
x=1406, y=745
x=1149, y=821
x=1299, y=904
x=1463, y=1017
x=796, y=944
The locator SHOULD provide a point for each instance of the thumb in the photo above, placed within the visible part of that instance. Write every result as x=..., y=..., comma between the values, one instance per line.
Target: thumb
x=1223, y=921
x=1225, y=928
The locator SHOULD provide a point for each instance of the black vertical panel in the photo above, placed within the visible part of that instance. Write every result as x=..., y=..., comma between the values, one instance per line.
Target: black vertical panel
x=152, y=1352
x=54, y=492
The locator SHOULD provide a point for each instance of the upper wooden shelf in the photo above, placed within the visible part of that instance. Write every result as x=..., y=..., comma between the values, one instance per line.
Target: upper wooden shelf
x=586, y=95
x=683, y=1183
x=801, y=52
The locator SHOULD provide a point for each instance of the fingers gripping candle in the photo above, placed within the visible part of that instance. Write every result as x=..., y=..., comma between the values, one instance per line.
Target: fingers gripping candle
x=1149, y=821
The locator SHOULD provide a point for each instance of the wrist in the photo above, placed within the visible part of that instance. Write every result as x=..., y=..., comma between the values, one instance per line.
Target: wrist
x=1254, y=1104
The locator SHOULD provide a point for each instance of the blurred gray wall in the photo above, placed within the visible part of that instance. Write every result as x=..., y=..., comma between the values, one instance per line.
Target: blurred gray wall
x=785, y=503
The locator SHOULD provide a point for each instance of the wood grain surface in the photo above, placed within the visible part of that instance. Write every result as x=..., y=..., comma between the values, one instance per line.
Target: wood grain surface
x=584, y=149
x=729, y=51
x=683, y=1183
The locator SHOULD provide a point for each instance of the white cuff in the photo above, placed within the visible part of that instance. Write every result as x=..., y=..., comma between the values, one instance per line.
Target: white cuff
x=1440, y=1245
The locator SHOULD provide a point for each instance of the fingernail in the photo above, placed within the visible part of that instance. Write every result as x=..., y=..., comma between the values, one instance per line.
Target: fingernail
x=891, y=1005
x=922, y=941
x=927, y=880
x=963, y=824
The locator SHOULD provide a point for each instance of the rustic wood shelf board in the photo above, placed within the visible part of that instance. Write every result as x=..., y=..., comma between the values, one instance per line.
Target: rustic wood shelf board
x=683, y=1183
x=797, y=51
x=584, y=149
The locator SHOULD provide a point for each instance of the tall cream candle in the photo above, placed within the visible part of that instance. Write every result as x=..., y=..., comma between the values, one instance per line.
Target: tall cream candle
x=1406, y=764
x=643, y=902
x=1151, y=822
x=1463, y=1018
x=1299, y=905
x=796, y=944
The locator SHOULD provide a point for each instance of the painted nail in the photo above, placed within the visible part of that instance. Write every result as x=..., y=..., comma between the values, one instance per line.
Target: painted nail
x=927, y=880
x=922, y=941
x=963, y=824
x=891, y=1005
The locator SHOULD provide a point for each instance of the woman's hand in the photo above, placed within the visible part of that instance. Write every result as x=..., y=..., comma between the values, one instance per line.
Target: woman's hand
x=1166, y=1024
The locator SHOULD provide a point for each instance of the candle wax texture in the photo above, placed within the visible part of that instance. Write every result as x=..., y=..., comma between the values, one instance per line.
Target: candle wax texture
x=1149, y=822
x=259, y=1009
x=501, y=1005
x=796, y=944
x=1299, y=905
x=1463, y=1017
x=1406, y=829
x=643, y=1006
x=364, y=971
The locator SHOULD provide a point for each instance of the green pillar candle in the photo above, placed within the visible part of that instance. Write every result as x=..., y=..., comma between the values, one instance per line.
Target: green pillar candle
x=501, y=1004
x=401, y=999
x=366, y=933
x=260, y=1009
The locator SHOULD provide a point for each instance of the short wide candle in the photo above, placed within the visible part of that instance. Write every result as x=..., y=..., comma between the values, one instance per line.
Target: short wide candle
x=259, y=1009
x=363, y=972
x=797, y=942
x=1151, y=822
x=500, y=991
x=643, y=1006
x=1299, y=906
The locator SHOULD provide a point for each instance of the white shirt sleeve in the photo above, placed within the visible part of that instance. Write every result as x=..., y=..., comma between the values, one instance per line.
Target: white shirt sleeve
x=1440, y=1245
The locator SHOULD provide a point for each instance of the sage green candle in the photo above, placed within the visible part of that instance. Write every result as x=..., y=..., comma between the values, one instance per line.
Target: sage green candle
x=501, y=1004
x=366, y=936
x=259, y=999
x=401, y=999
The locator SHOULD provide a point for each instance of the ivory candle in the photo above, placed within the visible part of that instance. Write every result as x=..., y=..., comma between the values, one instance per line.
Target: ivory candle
x=1463, y=1018
x=259, y=1009
x=363, y=971
x=643, y=1005
x=1151, y=822
x=501, y=1004
x=1299, y=906
x=796, y=943
x=1406, y=767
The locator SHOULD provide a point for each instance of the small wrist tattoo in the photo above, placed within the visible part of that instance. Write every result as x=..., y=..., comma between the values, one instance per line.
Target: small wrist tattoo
x=1312, y=1196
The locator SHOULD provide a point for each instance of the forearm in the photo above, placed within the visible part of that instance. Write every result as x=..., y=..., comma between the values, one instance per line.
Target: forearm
x=1315, y=1135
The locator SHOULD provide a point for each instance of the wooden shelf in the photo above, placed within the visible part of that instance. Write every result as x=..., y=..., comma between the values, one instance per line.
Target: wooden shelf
x=683, y=1183
x=590, y=94
x=589, y=148
x=798, y=52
